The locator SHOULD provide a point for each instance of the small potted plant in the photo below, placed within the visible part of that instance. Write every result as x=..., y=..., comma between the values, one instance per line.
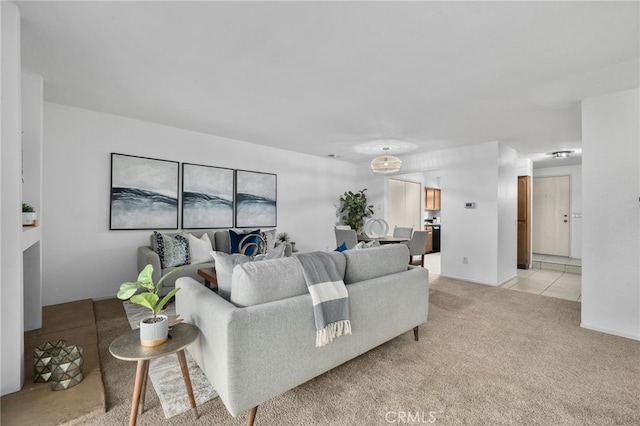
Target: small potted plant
x=154, y=329
x=29, y=215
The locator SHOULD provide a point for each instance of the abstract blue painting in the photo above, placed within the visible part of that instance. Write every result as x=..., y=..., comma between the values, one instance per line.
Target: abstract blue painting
x=207, y=197
x=144, y=193
x=256, y=199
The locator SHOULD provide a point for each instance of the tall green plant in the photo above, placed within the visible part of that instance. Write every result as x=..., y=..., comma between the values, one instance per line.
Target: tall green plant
x=355, y=209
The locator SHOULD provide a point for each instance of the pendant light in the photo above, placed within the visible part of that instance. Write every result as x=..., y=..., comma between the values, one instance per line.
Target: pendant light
x=386, y=163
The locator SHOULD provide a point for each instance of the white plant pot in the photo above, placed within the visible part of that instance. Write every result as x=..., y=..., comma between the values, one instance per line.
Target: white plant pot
x=29, y=219
x=154, y=334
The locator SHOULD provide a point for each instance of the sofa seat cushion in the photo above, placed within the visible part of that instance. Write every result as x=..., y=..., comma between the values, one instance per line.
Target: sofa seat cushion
x=375, y=262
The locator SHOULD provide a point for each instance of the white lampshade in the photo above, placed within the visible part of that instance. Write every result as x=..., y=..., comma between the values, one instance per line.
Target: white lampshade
x=386, y=164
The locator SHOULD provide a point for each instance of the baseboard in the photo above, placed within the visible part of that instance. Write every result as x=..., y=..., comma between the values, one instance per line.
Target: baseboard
x=608, y=331
x=468, y=280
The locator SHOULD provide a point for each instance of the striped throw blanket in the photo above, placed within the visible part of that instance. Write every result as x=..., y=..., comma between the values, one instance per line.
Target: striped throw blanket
x=329, y=296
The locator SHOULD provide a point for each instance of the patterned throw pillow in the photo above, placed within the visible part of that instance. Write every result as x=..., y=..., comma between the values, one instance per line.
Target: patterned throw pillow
x=250, y=241
x=173, y=251
x=270, y=237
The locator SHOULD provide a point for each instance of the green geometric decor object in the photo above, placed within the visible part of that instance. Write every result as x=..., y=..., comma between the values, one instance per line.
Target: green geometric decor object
x=66, y=367
x=42, y=360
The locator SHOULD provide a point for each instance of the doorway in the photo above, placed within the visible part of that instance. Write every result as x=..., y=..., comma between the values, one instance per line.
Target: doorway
x=551, y=215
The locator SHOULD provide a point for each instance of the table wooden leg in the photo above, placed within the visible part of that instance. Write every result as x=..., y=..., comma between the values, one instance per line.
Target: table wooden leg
x=140, y=373
x=187, y=382
x=144, y=388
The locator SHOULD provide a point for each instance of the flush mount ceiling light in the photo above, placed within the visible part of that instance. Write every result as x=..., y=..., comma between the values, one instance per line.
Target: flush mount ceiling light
x=386, y=163
x=561, y=154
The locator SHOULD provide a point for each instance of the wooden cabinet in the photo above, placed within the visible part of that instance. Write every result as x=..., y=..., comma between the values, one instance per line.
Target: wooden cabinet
x=431, y=199
x=429, y=247
x=524, y=222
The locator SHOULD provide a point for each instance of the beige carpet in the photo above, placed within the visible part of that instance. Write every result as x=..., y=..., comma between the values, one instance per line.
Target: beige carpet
x=486, y=356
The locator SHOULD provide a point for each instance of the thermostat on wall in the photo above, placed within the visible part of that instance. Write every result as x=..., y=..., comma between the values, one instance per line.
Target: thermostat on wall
x=471, y=205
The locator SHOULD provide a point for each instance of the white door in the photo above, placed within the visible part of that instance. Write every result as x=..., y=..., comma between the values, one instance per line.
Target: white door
x=404, y=204
x=552, y=215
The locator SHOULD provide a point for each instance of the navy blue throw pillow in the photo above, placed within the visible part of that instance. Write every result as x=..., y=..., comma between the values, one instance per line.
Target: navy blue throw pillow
x=342, y=247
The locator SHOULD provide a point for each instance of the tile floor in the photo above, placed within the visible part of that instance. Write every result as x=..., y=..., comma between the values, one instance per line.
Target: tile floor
x=546, y=282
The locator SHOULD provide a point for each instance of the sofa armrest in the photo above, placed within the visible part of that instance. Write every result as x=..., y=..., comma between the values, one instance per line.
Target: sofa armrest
x=147, y=256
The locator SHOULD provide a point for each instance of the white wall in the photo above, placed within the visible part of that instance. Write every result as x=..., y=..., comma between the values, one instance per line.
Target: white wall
x=576, y=202
x=508, y=165
x=469, y=174
x=82, y=258
x=11, y=292
x=611, y=185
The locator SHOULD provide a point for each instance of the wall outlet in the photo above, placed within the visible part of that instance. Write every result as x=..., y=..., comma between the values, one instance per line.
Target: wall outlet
x=465, y=260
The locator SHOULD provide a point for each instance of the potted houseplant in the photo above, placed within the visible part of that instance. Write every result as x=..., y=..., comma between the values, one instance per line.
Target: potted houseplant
x=29, y=215
x=355, y=209
x=154, y=329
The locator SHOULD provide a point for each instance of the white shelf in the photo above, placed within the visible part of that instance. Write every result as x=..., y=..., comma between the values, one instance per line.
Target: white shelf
x=30, y=236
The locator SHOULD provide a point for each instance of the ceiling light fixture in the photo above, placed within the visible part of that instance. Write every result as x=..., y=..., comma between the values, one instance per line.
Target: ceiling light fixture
x=386, y=163
x=561, y=154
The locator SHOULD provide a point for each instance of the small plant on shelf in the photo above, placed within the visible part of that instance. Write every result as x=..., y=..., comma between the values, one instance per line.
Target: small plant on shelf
x=29, y=215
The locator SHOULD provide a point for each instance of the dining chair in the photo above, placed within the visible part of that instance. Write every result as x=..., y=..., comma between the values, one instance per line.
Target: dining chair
x=347, y=236
x=399, y=231
x=418, y=246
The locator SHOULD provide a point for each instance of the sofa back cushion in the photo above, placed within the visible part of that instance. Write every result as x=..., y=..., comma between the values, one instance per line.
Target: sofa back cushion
x=254, y=283
x=375, y=262
x=265, y=281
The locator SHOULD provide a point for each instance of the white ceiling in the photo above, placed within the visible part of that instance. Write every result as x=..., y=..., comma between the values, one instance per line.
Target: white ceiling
x=339, y=77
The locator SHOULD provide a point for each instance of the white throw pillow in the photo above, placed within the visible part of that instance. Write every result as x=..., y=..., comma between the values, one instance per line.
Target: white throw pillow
x=200, y=248
x=224, y=270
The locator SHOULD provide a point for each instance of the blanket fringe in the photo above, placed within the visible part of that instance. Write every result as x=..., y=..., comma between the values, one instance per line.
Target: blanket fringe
x=331, y=331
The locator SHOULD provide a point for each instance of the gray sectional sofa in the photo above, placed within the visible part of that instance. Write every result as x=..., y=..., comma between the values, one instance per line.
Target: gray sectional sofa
x=219, y=241
x=261, y=342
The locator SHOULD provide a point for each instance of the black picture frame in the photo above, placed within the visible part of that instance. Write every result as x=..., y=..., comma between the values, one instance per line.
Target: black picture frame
x=256, y=199
x=208, y=197
x=144, y=193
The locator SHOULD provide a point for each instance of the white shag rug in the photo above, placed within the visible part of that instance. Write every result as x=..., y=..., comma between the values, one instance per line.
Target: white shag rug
x=165, y=374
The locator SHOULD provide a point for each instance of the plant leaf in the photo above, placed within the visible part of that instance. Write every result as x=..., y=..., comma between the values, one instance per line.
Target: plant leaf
x=148, y=300
x=165, y=299
x=146, y=275
x=166, y=275
x=127, y=290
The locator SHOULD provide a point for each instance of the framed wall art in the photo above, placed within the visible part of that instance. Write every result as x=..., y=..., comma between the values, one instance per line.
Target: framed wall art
x=207, y=197
x=256, y=199
x=144, y=193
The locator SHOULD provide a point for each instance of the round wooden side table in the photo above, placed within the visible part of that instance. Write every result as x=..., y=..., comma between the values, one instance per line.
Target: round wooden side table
x=127, y=348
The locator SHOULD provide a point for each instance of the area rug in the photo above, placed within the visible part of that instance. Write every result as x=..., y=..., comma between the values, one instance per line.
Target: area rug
x=166, y=377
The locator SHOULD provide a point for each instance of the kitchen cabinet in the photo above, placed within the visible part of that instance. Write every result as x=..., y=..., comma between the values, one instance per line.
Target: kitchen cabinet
x=431, y=199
